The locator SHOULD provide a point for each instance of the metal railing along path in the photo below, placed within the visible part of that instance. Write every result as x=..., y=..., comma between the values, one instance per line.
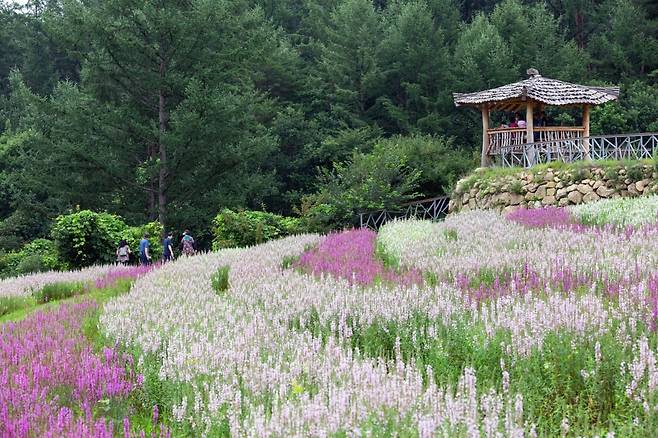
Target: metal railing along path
x=432, y=209
x=600, y=147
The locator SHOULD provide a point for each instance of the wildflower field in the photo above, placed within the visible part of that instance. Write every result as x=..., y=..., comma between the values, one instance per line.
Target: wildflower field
x=540, y=323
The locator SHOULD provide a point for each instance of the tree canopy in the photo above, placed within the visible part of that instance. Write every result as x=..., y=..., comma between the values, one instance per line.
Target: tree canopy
x=174, y=110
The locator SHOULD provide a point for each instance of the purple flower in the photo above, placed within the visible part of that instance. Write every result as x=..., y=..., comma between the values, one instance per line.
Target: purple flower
x=351, y=255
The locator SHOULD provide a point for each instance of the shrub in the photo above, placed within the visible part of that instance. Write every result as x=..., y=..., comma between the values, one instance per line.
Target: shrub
x=134, y=234
x=36, y=256
x=85, y=238
x=47, y=252
x=245, y=228
x=58, y=291
x=378, y=180
x=516, y=187
x=219, y=279
x=635, y=172
x=30, y=264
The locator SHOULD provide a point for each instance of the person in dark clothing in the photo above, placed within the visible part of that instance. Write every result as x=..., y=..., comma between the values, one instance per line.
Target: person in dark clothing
x=168, y=250
x=144, y=250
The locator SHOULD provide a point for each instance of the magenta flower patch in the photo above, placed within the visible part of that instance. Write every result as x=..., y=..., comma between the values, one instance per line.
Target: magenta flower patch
x=51, y=381
x=351, y=255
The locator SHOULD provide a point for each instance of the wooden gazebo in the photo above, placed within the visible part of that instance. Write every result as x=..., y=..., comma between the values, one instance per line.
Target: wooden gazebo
x=532, y=94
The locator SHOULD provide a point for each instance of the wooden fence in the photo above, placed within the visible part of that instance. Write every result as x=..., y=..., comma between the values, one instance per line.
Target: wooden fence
x=601, y=147
x=432, y=209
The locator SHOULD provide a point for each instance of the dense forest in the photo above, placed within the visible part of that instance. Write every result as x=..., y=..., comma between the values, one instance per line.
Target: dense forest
x=174, y=110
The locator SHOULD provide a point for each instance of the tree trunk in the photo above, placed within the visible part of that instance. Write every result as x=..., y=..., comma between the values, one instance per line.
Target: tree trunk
x=152, y=203
x=580, y=29
x=163, y=169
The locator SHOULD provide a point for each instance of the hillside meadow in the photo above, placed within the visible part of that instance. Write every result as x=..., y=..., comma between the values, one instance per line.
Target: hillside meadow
x=539, y=323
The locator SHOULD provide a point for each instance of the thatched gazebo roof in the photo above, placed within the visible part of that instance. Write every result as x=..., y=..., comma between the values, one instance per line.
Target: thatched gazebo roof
x=534, y=92
x=540, y=89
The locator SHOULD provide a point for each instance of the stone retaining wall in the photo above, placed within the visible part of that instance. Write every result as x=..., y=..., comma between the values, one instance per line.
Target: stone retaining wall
x=566, y=185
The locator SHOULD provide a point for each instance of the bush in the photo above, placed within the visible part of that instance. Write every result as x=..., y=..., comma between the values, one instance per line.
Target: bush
x=58, y=291
x=245, y=228
x=85, y=238
x=37, y=256
x=378, y=180
x=397, y=170
x=134, y=234
x=30, y=264
x=219, y=279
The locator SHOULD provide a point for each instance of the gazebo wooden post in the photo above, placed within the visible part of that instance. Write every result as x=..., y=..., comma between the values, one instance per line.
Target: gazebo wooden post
x=529, y=131
x=586, y=153
x=485, y=159
x=529, y=126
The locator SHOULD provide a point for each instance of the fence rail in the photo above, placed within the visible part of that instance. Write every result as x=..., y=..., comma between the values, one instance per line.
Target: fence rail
x=433, y=209
x=601, y=147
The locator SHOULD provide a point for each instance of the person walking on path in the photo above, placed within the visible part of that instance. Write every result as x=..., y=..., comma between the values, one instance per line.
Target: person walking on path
x=168, y=250
x=187, y=243
x=144, y=250
x=123, y=252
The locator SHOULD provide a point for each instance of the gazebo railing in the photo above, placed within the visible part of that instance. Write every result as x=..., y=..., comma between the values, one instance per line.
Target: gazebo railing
x=500, y=138
x=601, y=147
x=556, y=133
x=505, y=137
x=432, y=209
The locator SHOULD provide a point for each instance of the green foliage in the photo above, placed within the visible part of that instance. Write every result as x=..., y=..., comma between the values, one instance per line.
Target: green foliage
x=58, y=291
x=155, y=230
x=245, y=228
x=11, y=304
x=482, y=58
x=637, y=111
x=220, y=279
x=289, y=261
x=635, y=172
x=37, y=256
x=277, y=91
x=516, y=187
x=397, y=170
x=85, y=237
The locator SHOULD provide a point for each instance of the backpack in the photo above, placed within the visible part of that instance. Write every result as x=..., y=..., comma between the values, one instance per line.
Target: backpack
x=123, y=251
x=188, y=245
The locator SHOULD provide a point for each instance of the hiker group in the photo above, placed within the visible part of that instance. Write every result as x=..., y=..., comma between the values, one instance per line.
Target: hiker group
x=187, y=248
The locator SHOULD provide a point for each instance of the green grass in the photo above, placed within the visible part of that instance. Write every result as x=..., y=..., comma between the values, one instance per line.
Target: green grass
x=388, y=259
x=10, y=305
x=289, y=261
x=220, y=279
x=30, y=304
x=16, y=308
x=58, y=291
